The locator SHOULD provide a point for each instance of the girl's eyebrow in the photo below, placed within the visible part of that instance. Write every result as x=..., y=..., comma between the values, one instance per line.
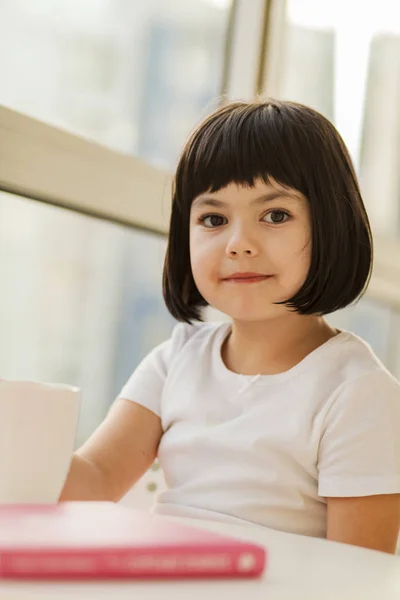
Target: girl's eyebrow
x=205, y=200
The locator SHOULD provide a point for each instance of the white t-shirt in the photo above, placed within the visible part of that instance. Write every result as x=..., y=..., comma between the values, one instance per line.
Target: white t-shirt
x=269, y=449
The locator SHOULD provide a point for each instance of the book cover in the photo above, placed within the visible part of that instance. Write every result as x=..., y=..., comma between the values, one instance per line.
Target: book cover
x=103, y=540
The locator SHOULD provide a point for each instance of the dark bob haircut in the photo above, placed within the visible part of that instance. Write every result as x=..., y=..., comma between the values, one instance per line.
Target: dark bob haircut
x=299, y=148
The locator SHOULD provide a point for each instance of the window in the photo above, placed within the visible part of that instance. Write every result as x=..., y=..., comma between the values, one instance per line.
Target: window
x=133, y=75
x=127, y=79
x=81, y=301
x=355, y=81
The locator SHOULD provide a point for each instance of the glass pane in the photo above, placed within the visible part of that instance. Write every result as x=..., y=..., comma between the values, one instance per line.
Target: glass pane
x=132, y=74
x=81, y=301
x=343, y=58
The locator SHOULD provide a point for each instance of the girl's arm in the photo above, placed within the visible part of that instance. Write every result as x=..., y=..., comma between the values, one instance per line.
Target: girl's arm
x=117, y=454
x=368, y=521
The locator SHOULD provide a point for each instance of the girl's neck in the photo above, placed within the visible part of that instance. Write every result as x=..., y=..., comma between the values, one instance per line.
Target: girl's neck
x=274, y=346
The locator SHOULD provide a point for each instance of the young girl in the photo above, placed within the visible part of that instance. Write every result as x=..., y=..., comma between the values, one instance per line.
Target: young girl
x=273, y=418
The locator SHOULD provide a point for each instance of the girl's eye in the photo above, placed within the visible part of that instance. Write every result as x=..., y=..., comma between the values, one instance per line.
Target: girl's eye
x=276, y=217
x=212, y=221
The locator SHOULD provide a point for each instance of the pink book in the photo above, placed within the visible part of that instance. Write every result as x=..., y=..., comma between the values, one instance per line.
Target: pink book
x=103, y=540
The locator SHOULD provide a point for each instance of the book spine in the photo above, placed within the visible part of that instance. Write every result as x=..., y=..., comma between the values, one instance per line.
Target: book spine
x=129, y=564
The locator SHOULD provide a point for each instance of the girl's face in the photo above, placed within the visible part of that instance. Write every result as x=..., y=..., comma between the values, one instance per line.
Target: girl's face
x=250, y=248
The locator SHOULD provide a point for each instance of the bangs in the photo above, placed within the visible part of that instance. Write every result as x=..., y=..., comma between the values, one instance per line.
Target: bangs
x=241, y=144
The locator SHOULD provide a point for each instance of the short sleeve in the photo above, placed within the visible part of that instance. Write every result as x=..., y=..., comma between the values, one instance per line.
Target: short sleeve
x=146, y=384
x=359, y=452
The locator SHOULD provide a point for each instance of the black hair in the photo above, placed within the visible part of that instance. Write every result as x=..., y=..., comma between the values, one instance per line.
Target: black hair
x=299, y=148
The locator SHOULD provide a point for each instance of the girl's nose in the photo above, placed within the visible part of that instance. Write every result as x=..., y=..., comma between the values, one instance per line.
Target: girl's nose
x=241, y=244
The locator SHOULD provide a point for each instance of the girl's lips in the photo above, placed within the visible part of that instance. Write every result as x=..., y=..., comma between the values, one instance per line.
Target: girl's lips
x=246, y=278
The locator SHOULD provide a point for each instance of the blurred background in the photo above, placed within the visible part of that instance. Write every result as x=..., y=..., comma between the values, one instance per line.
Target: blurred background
x=81, y=296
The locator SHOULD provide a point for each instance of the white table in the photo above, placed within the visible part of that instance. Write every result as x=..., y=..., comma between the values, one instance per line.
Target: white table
x=300, y=568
